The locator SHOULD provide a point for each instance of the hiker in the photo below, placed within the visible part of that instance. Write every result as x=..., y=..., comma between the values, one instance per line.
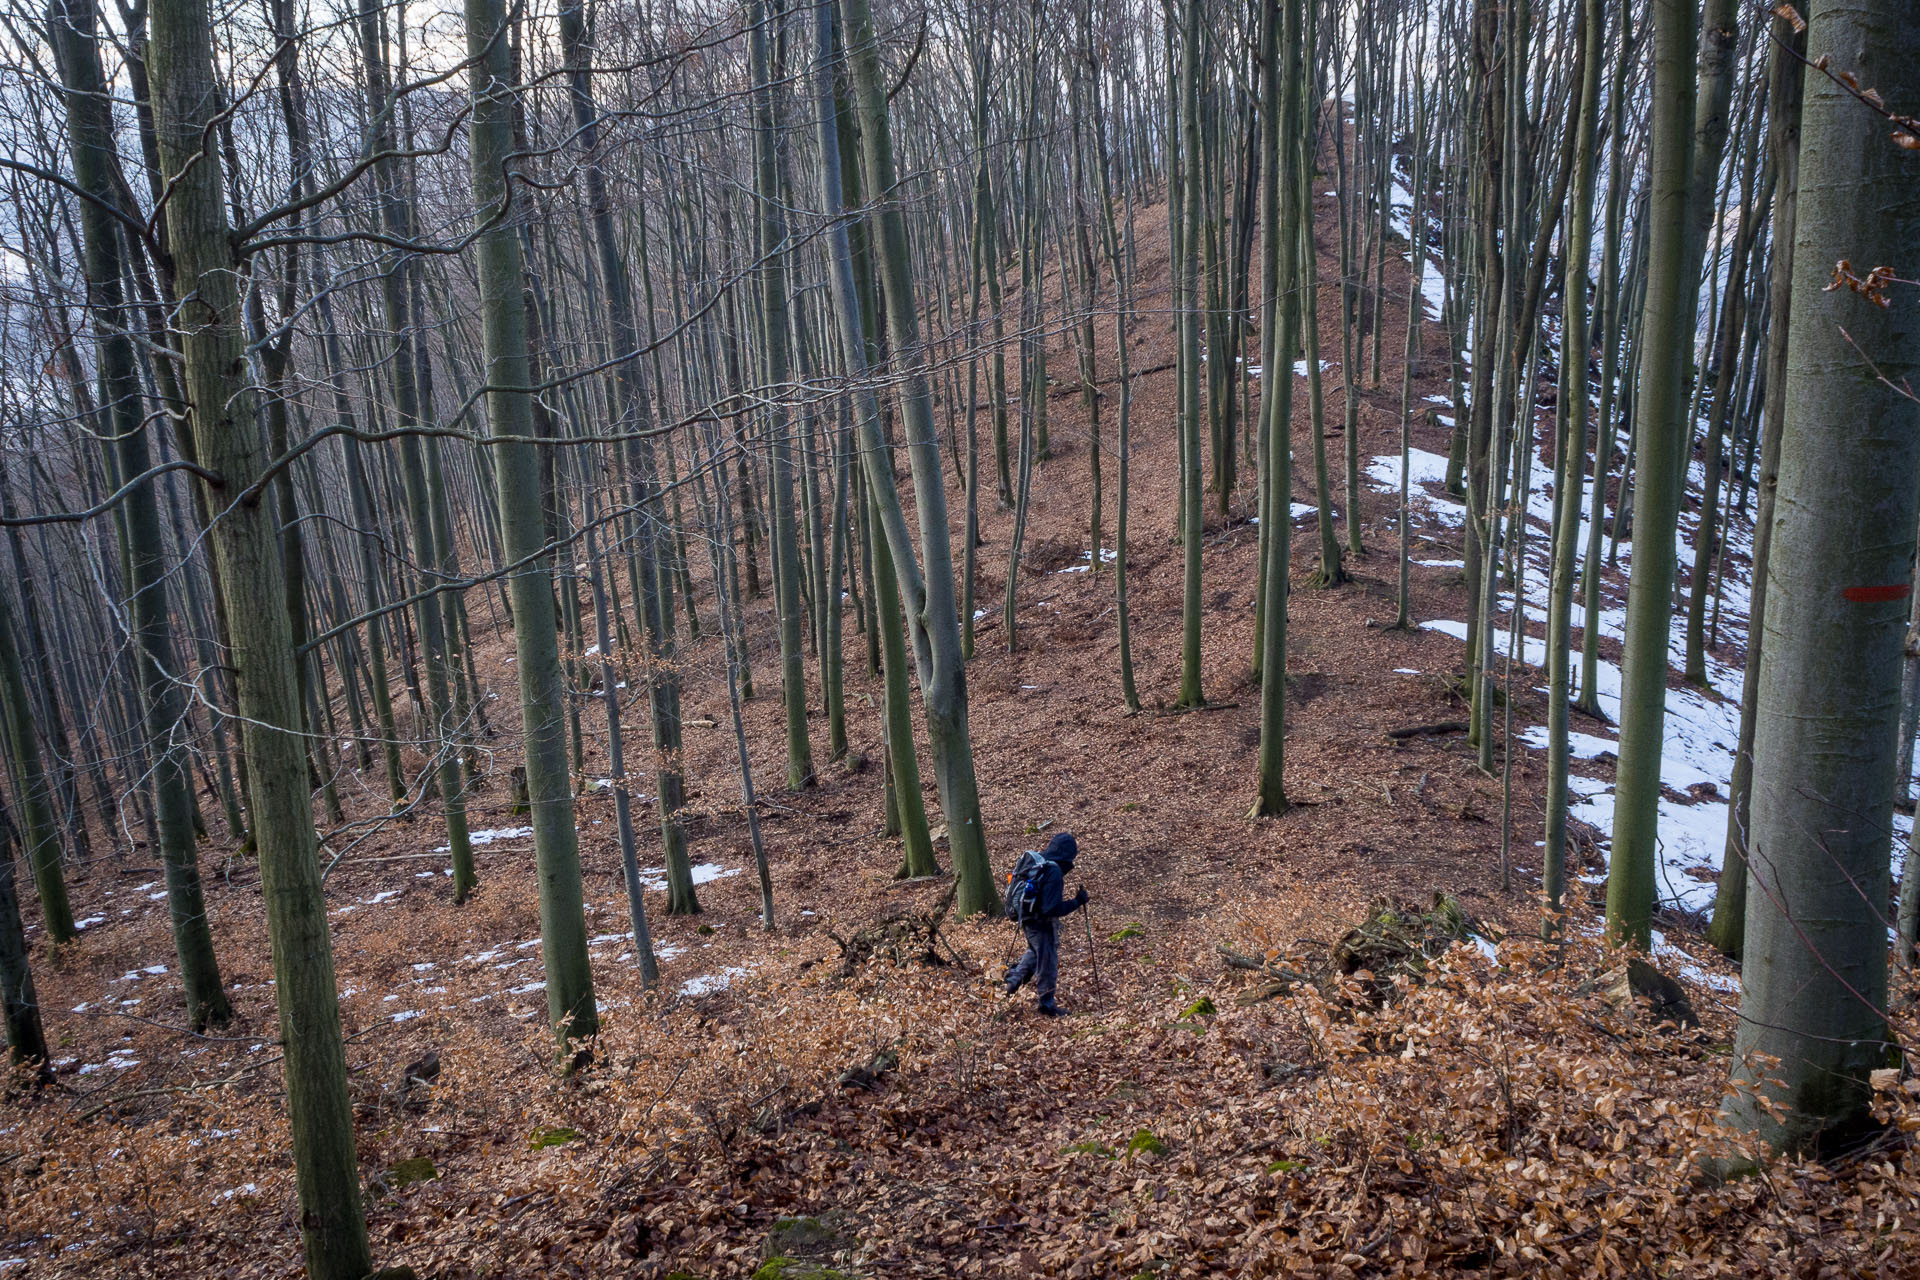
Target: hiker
x=1035, y=893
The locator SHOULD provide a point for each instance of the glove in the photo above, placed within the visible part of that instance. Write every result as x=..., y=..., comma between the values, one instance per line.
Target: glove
x=1080, y=898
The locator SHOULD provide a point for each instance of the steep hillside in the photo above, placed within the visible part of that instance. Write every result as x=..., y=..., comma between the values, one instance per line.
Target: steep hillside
x=1518, y=1114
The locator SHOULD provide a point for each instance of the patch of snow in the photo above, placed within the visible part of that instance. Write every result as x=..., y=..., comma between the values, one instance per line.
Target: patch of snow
x=1702, y=726
x=1106, y=557
x=1581, y=746
x=708, y=983
x=655, y=878
x=488, y=836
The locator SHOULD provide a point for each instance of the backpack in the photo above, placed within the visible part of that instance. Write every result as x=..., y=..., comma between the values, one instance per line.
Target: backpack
x=1023, y=888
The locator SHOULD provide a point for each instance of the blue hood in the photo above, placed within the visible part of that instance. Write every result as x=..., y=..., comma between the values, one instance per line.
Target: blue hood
x=1062, y=849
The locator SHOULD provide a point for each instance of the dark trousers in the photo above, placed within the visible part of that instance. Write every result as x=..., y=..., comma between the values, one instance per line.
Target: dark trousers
x=1041, y=963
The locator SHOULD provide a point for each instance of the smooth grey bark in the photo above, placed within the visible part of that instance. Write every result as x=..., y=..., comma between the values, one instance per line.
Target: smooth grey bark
x=1186, y=268
x=90, y=139
x=927, y=589
x=1417, y=224
x=1120, y=258
x=1570, y=455
x=1612, y=336
x=617, y=767
x=1814, y=974
x=246, y=549
x=1660, y=436
x=907, y=808
x=1281, y=111
x=1728, y=928
x=720, y=549
x=771, y=226
x=571, y=1012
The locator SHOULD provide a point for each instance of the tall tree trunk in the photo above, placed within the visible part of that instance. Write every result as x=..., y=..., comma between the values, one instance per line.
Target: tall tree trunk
x=927, y=590
x=1661, y=433
x=634, y=415
x=396, y=221
x=90, y=137
x=246, y=550
x=1186, y=268
x=771, y=223
x=1728, y=927
x=1813, y=1012
x=1281, y=110
x=1570, y=454
x=571, y=1012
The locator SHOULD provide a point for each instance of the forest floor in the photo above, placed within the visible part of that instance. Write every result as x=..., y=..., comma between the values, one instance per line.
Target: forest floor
x=1509, y=1110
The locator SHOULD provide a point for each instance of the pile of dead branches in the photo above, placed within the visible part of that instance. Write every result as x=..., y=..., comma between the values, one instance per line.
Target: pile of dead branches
x=1393, y=939
x=902, y=936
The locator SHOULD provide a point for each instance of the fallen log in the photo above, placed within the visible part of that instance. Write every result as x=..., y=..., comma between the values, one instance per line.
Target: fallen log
x=1428, y=730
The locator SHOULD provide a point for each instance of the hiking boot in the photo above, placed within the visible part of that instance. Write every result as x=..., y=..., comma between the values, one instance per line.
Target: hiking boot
x=1051, y=1010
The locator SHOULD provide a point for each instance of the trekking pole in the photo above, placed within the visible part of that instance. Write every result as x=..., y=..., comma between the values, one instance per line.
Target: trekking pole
x=1092, y=958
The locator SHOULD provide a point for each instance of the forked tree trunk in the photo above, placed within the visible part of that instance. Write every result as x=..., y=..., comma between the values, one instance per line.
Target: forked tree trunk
x=926, y=588
x=90, y=136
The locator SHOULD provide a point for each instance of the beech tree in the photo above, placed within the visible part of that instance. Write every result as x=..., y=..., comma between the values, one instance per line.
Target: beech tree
x=571, y=1010
x=1814, y=1004
x=248, y=568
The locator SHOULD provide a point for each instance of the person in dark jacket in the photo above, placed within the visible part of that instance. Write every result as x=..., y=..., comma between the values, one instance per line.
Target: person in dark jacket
x=1042, y=961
